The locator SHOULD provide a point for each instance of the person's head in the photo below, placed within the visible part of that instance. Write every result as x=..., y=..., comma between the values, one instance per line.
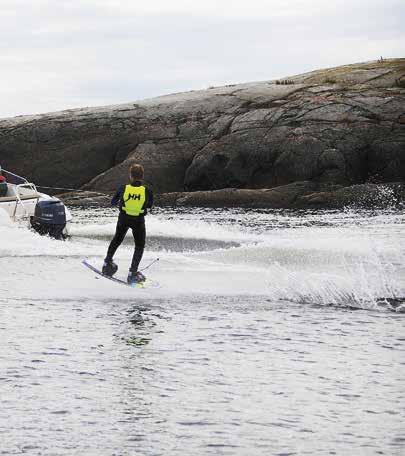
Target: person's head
x=136, y=172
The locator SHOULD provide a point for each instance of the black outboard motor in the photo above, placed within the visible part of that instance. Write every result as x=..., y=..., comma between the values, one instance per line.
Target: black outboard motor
x=49, y=218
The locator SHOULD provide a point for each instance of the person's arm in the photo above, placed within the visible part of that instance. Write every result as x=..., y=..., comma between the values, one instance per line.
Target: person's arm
x=149, y=198
x=117, y=197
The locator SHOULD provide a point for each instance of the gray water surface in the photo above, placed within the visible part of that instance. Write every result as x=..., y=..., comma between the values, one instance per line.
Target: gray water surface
x=233, y=355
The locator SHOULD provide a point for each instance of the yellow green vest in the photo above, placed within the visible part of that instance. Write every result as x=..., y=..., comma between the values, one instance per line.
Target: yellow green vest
x=133, y=200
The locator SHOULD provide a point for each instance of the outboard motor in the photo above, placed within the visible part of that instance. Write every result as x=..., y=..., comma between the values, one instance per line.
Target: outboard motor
x=49, y=218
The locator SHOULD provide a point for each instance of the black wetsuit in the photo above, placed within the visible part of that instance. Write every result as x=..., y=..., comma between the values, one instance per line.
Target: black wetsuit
x=136, y=223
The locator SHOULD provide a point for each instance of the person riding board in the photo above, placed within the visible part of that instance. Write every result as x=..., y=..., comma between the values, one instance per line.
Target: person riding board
x=3, y=184
x=133, y=200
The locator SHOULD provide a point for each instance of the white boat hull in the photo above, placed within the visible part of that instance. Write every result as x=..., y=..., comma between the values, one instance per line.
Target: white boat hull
x=20, y=202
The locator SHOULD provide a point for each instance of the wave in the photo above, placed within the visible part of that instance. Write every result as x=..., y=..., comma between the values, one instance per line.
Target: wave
x=160, y=227
x=343, y=266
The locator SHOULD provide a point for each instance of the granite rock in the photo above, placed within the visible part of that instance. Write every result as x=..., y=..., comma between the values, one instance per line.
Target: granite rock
x=342, y=126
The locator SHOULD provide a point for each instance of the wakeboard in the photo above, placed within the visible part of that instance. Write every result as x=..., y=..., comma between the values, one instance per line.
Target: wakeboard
x=147, y=283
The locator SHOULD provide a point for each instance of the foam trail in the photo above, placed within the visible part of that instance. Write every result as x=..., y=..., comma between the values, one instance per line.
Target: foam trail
x=351, y=265
x=161, y=227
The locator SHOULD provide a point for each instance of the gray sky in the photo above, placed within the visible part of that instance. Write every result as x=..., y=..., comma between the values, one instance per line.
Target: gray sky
x=59, y=54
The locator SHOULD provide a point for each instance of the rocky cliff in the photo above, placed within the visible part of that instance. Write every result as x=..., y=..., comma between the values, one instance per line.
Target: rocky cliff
x=322, y=130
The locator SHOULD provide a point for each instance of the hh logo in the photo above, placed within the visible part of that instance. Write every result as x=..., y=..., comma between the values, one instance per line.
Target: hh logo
x=134, y=196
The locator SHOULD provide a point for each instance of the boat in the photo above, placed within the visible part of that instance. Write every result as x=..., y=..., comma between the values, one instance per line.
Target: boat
x=21, y=200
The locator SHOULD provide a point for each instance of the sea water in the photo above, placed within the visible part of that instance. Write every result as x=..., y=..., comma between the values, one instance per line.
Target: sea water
x=272, y=333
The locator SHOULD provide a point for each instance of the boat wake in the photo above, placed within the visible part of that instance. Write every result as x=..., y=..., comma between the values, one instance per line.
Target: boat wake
x=347, y=267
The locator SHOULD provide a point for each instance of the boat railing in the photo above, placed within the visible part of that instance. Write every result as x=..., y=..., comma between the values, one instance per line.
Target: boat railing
x=19, y=197
x=15, y=178
x=21, y=189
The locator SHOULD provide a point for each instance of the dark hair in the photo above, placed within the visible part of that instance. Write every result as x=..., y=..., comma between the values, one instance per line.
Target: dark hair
x=136, y=172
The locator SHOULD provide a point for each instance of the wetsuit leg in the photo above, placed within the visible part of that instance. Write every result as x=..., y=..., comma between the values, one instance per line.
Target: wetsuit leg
x=139, y=233
x=120, y=232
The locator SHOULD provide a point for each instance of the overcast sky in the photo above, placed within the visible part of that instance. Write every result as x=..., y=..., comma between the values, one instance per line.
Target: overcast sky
x=59, y=54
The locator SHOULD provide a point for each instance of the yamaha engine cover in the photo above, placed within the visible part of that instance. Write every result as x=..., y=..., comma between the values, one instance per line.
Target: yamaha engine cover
x=49, y=218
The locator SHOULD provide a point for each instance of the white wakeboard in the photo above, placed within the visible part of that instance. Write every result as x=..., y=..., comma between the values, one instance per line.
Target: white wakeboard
x=147, y=283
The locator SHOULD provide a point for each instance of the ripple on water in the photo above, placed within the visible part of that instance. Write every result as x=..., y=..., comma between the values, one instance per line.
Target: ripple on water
x=89, y=368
